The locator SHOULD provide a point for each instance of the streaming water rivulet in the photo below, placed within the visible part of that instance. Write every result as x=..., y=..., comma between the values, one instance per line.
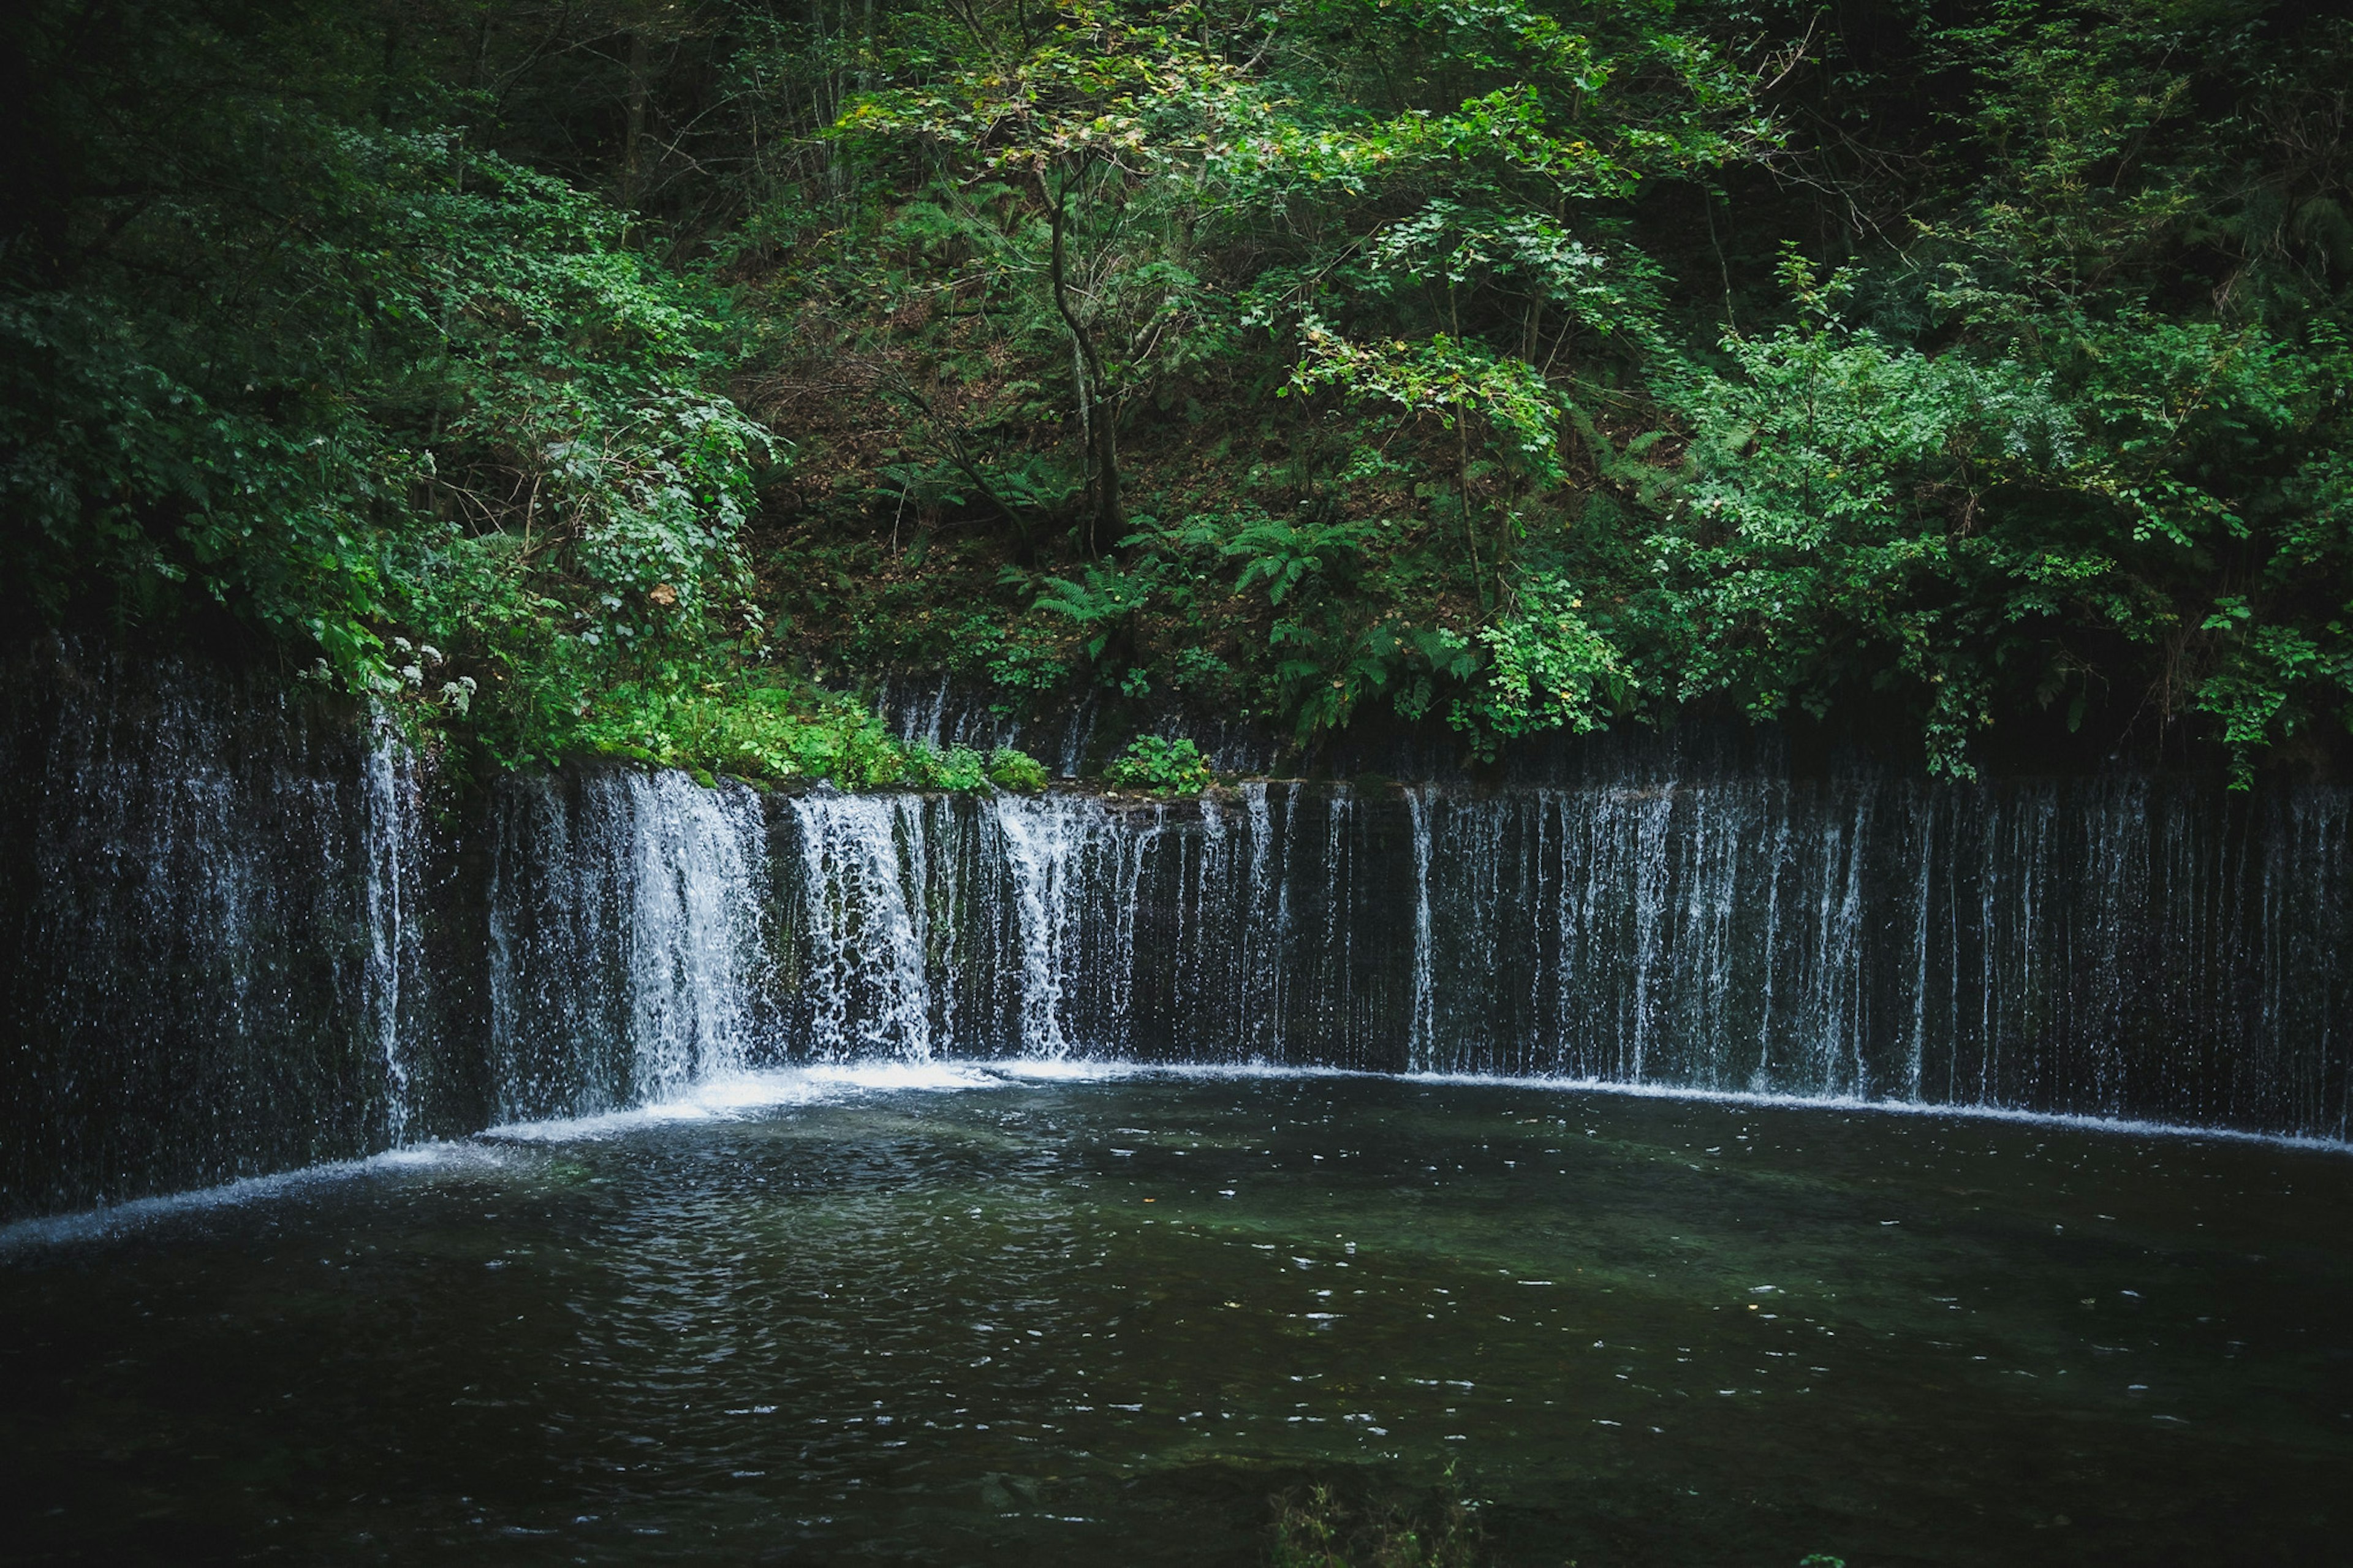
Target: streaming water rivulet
x=234, y=939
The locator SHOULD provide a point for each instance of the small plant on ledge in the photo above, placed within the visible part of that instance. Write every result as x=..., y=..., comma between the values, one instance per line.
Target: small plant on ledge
x=1009, y=769
x=1156, y=763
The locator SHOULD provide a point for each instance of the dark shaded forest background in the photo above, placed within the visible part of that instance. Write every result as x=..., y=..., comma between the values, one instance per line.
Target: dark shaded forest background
x=645, y=378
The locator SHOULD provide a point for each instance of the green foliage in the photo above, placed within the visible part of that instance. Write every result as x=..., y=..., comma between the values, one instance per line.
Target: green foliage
x=1017, y=771
x=1023, y=666
x=956, y=768
x=1099, y=604
x=2045, y=428
x=783, y=732
x=1528, y=364
x=1815, y=540
x=1156, y=763
x=1287, y=558
x=1450, y=380
x=1547, y=668
x=364, y=386
x=776, y=732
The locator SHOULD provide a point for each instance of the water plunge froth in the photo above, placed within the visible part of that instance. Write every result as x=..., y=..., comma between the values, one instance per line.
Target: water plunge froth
x=235, y=943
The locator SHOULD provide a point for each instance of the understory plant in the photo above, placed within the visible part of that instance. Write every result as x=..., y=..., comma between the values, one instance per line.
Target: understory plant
x=1156, y=763
x=1961, y=376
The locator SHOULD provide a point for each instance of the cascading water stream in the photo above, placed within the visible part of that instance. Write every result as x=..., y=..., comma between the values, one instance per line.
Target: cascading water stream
x=393, y=835
x=695, y=940
x=625, y=942
x=236, y=943
x=212, y=959
x=1418, y=1038
x=1045, y=842
x=869, y=990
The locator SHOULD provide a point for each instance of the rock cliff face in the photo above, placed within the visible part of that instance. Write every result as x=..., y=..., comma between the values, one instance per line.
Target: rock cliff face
x=233, y=940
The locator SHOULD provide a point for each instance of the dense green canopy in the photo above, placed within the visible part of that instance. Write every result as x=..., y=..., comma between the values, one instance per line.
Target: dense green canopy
x=599, y=375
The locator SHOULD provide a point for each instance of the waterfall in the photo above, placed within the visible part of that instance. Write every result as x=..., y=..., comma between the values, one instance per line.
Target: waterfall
x=695, y=940
x=234, y=940
x=1648, y=827
x=862, y=862
x=392, y=829
x=1077, y=735
x=626, y=940
x=1333, y=989
x=1917, y=1041
x=209, y=937
x=1258, y=1020
x=1418, y=1035
x=1007, y=924
x=1046, y=844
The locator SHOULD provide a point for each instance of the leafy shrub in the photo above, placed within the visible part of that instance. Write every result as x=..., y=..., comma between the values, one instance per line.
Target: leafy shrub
x=775, y=732
x=1154, y=762
x=303, y=329
x=957, y=768
x=1024, y=662
x=1017, y=771
x=784, y=732
x=1197, y=670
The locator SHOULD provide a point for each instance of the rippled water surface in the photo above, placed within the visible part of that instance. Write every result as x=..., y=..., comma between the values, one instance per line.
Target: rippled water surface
x=964, y=1318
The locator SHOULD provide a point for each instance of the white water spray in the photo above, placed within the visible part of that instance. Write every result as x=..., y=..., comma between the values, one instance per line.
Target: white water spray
x=1418, y=1051
x=865, y=926
x=1045, y=841
x=392, y=835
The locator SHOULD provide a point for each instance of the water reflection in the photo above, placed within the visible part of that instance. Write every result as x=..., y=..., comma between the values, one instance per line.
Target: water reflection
x=1039, y=1321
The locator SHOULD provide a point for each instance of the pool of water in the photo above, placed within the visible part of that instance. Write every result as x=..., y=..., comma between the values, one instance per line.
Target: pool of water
x=969, y=1317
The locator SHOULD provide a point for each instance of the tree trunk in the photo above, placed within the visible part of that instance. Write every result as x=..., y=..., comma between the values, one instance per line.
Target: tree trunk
x=633, y=139
x=1462, y=489
x=1098, y=416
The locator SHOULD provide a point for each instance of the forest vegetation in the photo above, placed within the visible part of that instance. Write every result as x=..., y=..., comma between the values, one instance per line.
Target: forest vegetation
x=650, y=376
